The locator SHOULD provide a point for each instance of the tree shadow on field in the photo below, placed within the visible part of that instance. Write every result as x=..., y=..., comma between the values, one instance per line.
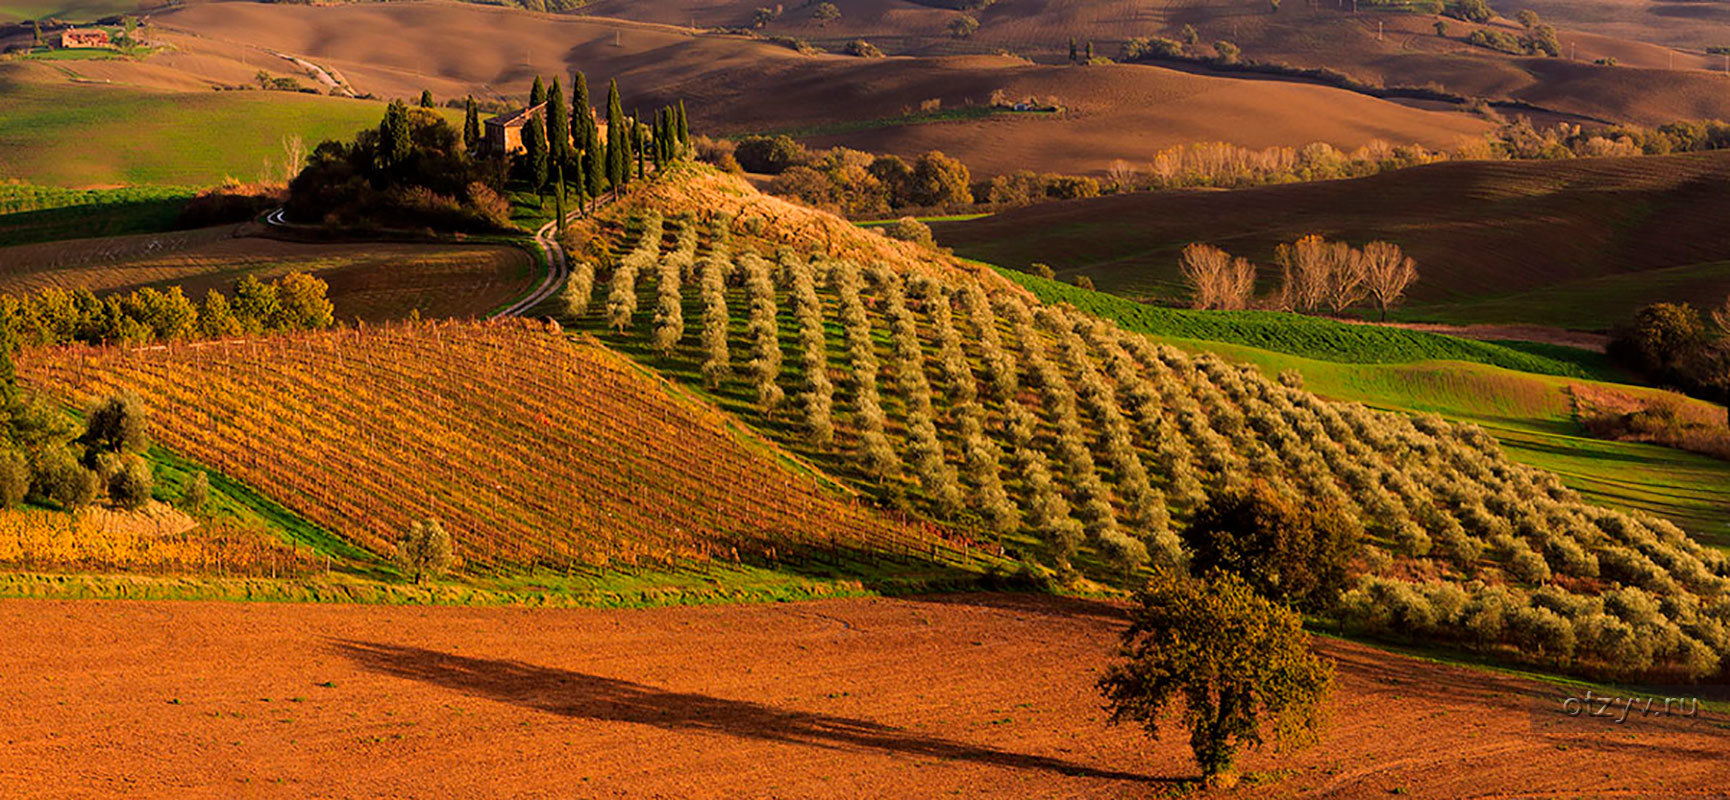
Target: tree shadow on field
x=581, y=696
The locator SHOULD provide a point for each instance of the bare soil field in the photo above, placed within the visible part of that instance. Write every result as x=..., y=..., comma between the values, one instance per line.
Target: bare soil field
x=733, y=84
x=977, y=695
x=372, y=281
x=1654, y=81
x=1576, y=231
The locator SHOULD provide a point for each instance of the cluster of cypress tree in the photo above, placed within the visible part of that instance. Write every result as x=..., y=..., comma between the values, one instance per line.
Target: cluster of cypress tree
x=564, y=143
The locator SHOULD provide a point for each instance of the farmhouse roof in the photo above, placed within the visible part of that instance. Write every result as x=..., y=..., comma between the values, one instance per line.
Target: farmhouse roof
x=514, y=118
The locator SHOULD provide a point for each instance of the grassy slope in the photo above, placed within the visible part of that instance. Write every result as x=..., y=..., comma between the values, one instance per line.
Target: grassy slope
x=30, y=213
x=76, y=10
x=95, y=135
x=1296, y=334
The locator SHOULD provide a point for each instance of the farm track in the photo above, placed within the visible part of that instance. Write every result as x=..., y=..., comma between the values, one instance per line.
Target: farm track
x=838, y=698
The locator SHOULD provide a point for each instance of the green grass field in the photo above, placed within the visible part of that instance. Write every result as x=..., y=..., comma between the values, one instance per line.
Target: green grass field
x=1591, y=304
x=1300, y=335
x=72, y=10
x=30, y=213
x=68, y=134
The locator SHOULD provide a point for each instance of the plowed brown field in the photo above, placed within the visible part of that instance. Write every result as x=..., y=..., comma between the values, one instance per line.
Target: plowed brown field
x=972, y=695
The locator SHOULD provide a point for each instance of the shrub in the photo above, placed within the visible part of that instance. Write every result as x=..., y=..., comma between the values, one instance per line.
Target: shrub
x=863, y=49
x=14, y=478
x=131, y=485
x=1238, y=662
x=58, y=478
x=196, y=495
x=908, y=229
x=118, y=424
x=424, y=551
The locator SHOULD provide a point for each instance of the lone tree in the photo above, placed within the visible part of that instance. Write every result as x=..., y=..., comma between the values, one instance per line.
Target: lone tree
x=424, y=551
x=426, y=99
x=1291, y=553
x=1238, y=663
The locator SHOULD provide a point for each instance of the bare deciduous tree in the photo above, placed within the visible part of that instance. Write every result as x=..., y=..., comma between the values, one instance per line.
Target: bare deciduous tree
x=1238, y=286
x=1305, y=267
x=1347, y=272
x=1206, y=269
x=1388, y=272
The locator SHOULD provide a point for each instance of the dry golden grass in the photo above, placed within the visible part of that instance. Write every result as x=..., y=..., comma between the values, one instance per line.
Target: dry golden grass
x=156, y=539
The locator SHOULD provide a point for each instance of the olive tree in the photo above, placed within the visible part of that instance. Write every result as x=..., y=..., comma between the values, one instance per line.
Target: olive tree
x=424, y=551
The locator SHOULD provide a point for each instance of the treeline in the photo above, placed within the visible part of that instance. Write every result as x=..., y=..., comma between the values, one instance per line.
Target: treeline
x=297, y=301
x=861, y=184
x=1315, y=275
x=843, y=180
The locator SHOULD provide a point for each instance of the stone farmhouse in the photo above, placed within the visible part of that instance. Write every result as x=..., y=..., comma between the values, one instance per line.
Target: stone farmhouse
x=84, y=37
x=503, y=134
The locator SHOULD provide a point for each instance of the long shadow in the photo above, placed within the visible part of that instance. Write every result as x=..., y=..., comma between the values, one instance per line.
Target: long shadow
x=582, y=696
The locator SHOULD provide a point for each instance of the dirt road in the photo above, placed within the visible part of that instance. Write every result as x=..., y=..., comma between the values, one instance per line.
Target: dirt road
x=978, y=696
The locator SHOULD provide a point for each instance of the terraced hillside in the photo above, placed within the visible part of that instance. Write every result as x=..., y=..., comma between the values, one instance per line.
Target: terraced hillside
x=1573, y=243
x=1085, y=446
x=537, y=453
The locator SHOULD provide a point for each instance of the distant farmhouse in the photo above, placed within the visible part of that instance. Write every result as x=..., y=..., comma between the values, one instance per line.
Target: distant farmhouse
x=504, y=133
x=84, y=37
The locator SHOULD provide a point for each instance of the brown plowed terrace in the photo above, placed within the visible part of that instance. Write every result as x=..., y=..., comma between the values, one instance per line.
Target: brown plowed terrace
x=977, y=695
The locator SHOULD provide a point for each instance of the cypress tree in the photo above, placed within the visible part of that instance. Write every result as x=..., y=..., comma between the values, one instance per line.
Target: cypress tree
x=684, y=129
x=471, y=125
x=538, y=94
x=594, y=162
x=637, y=142
x=1074, y=52
x=426, y=100
x=535, y=142
x=558, y=125
x=616, y=154
x=8, y=372
x=393, y=134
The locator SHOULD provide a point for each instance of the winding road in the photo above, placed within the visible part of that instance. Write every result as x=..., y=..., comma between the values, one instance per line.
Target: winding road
x=558, y=267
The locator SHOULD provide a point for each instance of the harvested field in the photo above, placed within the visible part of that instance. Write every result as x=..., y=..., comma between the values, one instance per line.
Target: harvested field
x=736, y=85
x=372, y=281
x=977, y=695
x=1573, y=243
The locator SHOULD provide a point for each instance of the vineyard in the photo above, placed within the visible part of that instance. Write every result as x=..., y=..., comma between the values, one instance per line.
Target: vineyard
x=101, y=539
x=1085, y=447
x=536, y=453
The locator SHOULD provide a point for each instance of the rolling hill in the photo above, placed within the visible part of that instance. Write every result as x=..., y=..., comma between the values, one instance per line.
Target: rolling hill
x=1571, y=243
x=540, y=455
x=731, y=85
